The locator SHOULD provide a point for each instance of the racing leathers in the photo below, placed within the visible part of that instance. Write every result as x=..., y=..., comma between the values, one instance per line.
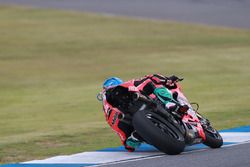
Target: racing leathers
x=155, y=85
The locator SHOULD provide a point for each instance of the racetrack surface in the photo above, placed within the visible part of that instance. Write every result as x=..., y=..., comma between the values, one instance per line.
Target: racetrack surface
x=147, y=155
x=234, y=156
x=233, y=13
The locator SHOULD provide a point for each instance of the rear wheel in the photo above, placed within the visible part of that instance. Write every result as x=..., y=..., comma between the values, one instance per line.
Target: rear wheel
x=158, y=132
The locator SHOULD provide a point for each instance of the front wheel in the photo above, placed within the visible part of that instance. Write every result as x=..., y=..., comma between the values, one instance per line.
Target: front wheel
x=213, y=138
x=158, y=132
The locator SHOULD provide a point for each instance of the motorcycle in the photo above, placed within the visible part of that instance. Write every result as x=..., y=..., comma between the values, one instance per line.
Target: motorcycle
x=168, y=131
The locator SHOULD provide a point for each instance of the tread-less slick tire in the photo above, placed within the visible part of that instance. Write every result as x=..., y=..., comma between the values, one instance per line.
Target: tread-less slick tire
x=213, y=138
x=158, y=132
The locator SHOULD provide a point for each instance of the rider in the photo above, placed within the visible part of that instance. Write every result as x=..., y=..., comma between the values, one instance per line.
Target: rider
x=129, y=138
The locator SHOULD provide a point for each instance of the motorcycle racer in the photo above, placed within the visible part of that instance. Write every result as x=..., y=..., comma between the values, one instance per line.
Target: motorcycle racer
x=153, y=85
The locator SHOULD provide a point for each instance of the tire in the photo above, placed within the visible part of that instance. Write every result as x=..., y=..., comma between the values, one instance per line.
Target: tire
x=213, y=138
x=158, y=132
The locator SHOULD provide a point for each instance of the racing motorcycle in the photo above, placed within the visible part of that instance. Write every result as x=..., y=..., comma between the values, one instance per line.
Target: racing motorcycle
x=168, y=131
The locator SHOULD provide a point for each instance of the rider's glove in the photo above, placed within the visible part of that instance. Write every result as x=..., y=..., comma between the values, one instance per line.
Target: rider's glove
x=132, y=142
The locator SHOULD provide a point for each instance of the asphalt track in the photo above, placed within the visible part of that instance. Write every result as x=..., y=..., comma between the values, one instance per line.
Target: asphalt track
x=232, y=13
x=233, y=156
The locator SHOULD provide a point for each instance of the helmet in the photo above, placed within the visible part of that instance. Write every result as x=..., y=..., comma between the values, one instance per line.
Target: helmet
x=112, y=81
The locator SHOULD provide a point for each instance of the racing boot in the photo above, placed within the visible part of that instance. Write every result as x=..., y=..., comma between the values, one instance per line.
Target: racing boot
x=133, y=141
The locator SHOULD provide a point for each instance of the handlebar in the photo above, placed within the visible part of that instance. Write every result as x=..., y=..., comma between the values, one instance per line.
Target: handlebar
x=174, y=78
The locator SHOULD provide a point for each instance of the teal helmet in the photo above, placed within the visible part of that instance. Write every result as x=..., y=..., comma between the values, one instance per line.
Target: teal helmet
x=111, y=82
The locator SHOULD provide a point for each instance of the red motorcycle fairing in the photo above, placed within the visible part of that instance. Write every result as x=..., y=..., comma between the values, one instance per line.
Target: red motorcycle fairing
x=191, y=117
x=194, y=122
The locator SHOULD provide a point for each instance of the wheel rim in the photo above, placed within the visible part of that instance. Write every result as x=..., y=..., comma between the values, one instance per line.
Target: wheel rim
x=164, y=127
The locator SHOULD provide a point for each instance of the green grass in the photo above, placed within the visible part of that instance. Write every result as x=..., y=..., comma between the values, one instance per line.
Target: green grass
x=52, y=64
